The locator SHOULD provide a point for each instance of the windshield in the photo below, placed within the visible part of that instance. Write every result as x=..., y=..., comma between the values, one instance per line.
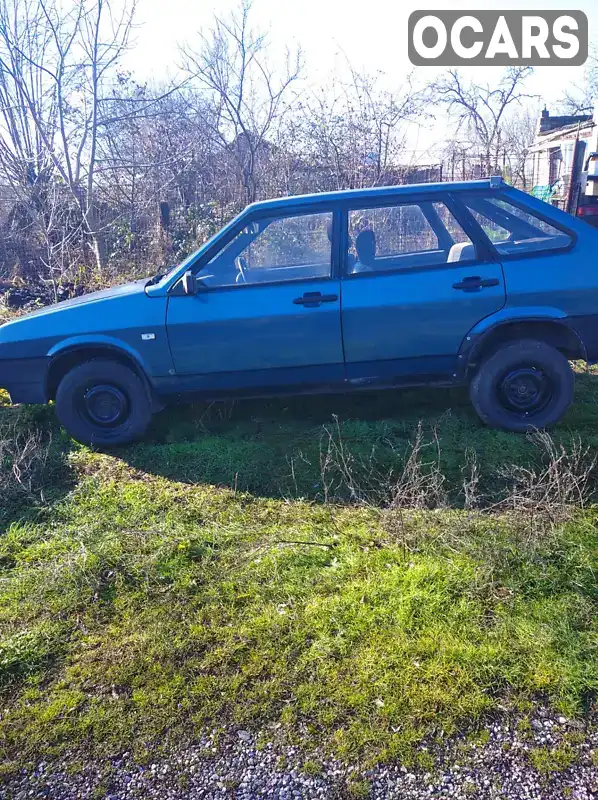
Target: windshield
x=170, y=272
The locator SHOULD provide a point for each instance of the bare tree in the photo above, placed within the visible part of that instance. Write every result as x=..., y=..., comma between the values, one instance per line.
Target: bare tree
x=164, y=158
x=581, y=99
x=56, y=65
x=519, y=135
x=482, y=108
x=231, y=63
x=353, y=133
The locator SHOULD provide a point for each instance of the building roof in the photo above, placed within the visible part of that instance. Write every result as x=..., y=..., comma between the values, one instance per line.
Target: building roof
x=551, y=130
x=571, y=131
x=548, y=123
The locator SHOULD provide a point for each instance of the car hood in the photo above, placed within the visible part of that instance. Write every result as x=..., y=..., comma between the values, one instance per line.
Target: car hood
x=136, y=287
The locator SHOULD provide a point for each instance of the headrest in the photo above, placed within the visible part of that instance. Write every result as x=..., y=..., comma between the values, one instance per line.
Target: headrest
x=365, y=244
x=463, y=251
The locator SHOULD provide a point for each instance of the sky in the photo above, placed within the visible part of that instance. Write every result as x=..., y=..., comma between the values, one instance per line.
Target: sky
x=370, y=34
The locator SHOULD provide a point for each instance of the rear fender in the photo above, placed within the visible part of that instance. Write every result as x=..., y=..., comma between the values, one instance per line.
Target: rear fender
x=545, y=323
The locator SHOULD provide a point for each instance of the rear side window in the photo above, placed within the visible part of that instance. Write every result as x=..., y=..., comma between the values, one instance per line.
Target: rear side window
x=407, y=236
x=512, y=230
x=454, y=229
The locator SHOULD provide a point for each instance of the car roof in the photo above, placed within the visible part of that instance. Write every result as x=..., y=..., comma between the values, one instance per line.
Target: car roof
x=378, y=192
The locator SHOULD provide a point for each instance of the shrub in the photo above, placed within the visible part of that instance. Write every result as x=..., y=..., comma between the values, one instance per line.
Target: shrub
x=23, y=458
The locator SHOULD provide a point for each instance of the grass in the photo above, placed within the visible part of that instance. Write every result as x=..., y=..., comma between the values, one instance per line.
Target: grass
x=255, y=564
x=547, y=760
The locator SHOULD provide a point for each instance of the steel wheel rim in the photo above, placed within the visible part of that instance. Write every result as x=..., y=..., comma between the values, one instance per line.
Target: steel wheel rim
x=104, y=405
x=525, y=391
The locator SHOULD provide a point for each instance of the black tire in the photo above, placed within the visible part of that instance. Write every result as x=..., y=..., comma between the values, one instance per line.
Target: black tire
x=103, y=403
x=523, y=386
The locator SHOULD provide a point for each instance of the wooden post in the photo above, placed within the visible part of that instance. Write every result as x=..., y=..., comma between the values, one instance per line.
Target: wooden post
x=572, y=178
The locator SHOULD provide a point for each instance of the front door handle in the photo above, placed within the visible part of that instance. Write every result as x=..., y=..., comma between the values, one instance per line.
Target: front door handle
x=314, y=299
x=473, y=283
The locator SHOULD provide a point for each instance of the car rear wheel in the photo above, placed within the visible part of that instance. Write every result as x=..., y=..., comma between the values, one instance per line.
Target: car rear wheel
x=103, y=403
x=523, y=385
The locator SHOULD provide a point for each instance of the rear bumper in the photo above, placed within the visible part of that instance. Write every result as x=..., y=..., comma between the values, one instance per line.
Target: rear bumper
x=24, y=379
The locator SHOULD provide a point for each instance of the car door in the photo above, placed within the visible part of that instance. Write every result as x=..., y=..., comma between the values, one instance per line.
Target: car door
x=416, y=281
x=267, y=310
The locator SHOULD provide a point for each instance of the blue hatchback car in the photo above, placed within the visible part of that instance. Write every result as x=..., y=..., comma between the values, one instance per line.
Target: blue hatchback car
x=471, y=283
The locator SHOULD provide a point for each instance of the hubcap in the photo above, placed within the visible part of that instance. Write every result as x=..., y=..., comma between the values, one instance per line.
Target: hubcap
x=105, y=405
x=525, y=391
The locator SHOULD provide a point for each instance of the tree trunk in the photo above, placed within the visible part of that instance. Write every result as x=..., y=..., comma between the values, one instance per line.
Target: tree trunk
x=98, y=246
x=98, y=239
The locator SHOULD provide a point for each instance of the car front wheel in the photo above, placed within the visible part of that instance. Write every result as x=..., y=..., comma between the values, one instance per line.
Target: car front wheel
x=103, y=403
x=523, y=385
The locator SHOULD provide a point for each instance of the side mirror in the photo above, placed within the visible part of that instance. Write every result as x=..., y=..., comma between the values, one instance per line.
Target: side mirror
x=189, y=282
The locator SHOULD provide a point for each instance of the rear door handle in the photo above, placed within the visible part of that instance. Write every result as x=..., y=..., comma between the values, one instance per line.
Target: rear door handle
x=474, y=282
x=314, y=299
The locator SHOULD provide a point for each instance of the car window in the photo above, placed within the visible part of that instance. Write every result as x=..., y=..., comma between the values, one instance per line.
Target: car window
x=272, y=250
x=405, y=236
x=456, y=232
x=512, y=230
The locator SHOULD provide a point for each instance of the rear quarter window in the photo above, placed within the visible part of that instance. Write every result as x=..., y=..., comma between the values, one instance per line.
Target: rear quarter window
x=512, y=230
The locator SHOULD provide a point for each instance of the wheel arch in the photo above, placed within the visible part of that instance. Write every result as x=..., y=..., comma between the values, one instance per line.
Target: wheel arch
x=555, y=332
x=71, y=355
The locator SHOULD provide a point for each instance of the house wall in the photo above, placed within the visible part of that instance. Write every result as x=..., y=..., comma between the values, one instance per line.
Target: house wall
x=553, y=167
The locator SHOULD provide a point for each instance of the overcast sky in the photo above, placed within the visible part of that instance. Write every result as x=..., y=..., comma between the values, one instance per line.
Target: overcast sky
x=372, y=34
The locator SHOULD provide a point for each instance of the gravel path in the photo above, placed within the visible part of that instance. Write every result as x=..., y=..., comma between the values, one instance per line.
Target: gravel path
x=494, y=765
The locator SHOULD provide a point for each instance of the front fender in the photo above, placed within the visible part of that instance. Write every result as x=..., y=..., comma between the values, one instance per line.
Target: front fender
x=98, y=340
x=102, y=343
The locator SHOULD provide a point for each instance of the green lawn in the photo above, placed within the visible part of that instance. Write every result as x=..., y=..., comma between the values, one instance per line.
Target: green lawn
x=294, y=561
